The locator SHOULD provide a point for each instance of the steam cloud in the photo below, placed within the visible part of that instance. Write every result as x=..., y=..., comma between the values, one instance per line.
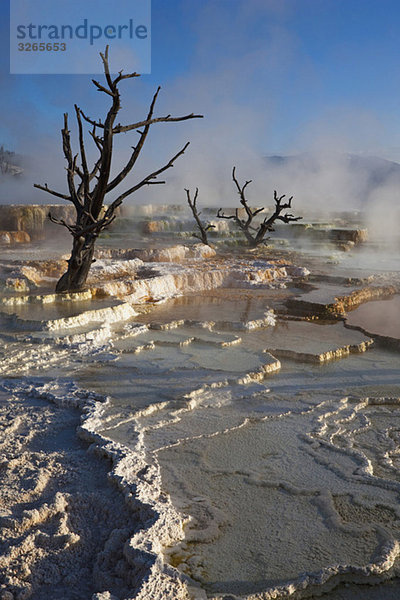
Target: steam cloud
x=241, y=83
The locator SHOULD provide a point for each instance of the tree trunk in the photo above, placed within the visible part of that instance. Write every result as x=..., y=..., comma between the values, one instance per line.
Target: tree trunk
x=259, y=239
x=74, y=279
x=250, y=239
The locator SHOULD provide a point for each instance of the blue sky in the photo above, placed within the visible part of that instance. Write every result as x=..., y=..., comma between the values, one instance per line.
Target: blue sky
x=270, y=76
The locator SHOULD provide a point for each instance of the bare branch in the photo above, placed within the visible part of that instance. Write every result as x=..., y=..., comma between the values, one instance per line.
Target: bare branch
x=70, y=228
x=136, y=150
x=104, y=58
x=148, y=121
x=168, y=119
x=244, y=224
x=287, y=218
x=126, y=76
x=92, y=121
x=148, y=180
x=257, y=211
x=124, y=128
x=98, y=225
x=89, y=214
x=70, y=160
x=101, y=88
x=95, y=169
x=45, y=188
x=202, y=228
x=243, y=200
x=107, y=145
x=97, y=140
x=85, y=174
x=221, y=215
x=267, y=224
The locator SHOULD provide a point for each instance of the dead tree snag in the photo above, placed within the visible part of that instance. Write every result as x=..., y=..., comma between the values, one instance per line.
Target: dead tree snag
x=255, y=235
x=202, y=236
x=89, y=194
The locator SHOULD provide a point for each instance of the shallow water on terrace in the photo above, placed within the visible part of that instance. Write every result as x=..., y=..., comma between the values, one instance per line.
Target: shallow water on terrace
x=55, y=310
x=368, y=258
x=302, y=337
x=380, y=317
x=327, y=294
x=375, y=257
x=211, y=308
x=39, y=250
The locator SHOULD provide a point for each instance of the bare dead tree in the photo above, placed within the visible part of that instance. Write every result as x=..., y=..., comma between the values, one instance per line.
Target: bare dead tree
x=88, y=195
x=202, y=228
x=256, y=235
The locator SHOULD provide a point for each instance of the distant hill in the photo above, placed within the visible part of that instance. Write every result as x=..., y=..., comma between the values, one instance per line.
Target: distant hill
x=9, y=163
x=362, y=174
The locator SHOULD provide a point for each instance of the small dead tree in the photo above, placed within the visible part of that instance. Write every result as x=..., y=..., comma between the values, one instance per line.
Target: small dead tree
x=95, y=183
x=202, y=228
x=256, y=235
